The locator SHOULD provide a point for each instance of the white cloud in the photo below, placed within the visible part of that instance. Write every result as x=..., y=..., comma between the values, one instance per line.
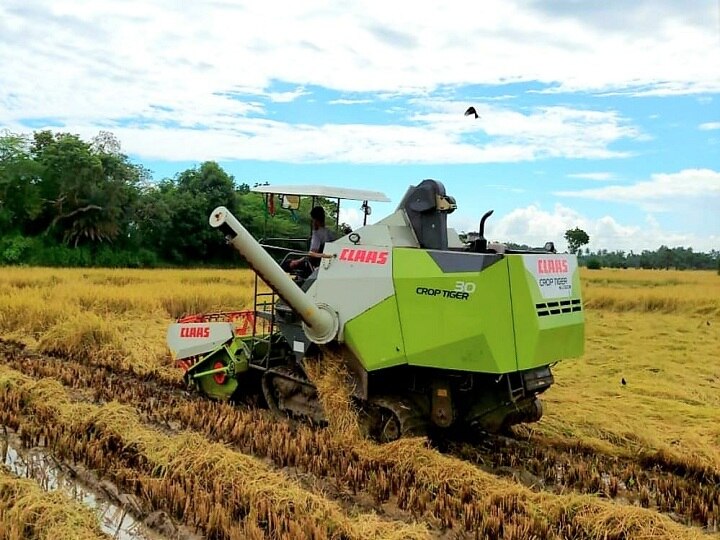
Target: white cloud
x=347, y=101
x=103, y=60
x=545, y=131
x=441, y=134
x=534, y=226
x=661, y=190
x=599, y=176
x=707, y=126
x=287, y=97
x=658, y=89
x=351, y=216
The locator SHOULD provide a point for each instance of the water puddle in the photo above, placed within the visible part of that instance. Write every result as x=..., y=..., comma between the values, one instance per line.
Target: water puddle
x=51, y=475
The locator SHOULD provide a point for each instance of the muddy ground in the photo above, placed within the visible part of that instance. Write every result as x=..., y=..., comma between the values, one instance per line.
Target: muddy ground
x=686, y=495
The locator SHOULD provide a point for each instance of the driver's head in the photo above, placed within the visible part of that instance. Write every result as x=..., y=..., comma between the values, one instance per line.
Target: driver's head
x=318, y=216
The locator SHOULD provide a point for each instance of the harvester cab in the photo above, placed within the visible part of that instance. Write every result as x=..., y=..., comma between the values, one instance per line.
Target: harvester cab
x=434, y=332
x=291, y=198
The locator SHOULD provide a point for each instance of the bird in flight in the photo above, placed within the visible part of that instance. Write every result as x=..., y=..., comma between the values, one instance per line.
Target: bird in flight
x=471, y=110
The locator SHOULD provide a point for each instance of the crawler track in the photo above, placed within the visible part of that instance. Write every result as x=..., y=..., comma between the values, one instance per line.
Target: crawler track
x=688, y=496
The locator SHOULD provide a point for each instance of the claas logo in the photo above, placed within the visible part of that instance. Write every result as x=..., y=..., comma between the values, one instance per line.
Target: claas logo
x=195, y=332
x=366, y=256
x=552, y=266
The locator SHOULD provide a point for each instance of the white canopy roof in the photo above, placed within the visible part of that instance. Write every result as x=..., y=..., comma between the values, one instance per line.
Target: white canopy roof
x=325, y=191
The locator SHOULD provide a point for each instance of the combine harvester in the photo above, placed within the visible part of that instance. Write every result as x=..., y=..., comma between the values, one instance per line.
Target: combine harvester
x=435, y=333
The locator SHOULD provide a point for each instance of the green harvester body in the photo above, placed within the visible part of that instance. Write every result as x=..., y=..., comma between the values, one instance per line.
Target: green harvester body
x=435, y=333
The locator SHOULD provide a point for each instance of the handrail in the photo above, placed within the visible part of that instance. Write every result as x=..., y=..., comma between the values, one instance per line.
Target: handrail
x=283, y=239
x=288, y=250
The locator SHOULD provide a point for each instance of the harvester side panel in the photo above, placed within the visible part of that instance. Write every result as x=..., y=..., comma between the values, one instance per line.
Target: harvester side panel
x=458, y=319
x=375, y=336
x=355, y=280
x=547, y=308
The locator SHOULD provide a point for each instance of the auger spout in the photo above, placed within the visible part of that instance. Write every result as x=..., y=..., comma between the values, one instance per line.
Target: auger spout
x=320, y=322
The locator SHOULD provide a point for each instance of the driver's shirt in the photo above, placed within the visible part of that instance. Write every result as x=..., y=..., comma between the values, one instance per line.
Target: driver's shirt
x=317, y=243
x=318, y=239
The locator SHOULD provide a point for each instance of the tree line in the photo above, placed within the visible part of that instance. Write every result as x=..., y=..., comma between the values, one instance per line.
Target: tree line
x=69, y=202
x=666, y=258
x=678, y=258
x=65, y=201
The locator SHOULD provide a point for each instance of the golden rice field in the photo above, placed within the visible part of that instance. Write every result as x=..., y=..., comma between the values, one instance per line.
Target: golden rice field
x=85, y=377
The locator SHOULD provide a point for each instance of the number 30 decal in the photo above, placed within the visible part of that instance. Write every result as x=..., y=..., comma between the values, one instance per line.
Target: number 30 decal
x=465, y=287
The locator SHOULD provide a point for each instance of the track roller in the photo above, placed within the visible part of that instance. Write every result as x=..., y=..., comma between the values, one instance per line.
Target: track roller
x=391, y=418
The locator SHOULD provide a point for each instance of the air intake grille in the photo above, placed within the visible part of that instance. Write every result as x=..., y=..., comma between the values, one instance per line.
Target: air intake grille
x=559, y=307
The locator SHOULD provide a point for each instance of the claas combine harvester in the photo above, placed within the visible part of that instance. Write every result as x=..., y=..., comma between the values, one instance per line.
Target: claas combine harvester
x=434, y=332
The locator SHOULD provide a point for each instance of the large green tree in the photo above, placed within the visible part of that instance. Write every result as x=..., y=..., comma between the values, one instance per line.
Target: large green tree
x=20, y=200
x=173, y=215
x=576, y=238
x=86, y=190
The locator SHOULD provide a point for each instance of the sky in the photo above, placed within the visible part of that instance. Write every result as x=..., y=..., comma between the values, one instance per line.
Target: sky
x=602, y=115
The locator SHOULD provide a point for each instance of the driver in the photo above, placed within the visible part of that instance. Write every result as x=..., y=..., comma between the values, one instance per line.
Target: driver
x=320, y=235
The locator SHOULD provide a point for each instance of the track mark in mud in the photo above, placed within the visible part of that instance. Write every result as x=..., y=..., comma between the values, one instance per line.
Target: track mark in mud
x=170, y=408
x=226, y=494
x=120, y=515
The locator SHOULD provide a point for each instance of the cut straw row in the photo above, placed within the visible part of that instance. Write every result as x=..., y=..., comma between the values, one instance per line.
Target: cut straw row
x=445, y=491
x=225, y=493
x=461, y=491
x=29, y=513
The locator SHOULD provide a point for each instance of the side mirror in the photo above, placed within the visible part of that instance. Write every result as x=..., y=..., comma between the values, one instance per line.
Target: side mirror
x=290, y=202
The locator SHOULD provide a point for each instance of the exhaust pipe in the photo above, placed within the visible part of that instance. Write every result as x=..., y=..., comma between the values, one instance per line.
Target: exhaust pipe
x=480, y=245
x=320, y=322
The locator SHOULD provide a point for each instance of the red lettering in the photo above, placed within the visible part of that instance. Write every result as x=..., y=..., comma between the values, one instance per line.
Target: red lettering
x=552, y=266
x=195, y=332
x=364, y=256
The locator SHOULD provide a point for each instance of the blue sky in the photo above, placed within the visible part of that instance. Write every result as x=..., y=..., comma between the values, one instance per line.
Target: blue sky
x=600, y=115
